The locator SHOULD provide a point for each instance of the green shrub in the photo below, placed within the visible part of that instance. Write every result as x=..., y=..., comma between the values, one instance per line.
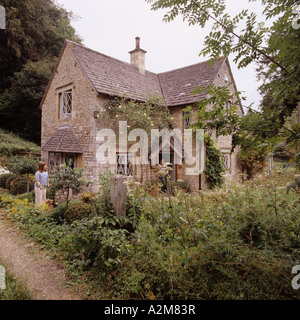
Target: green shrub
x=22, y=178
x=4, y=178
x=97, y=243
x=50, y=193
x=88, y=197
x=77, y=212
x=8, y=181
x=30, y=196
x=19, y=186
x=102, y=203
x=19, y=165
x=57, y=214
x=239, y=244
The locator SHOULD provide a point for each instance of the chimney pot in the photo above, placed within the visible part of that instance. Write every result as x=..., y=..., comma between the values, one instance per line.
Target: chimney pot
x=137, y=56
x=137, y=41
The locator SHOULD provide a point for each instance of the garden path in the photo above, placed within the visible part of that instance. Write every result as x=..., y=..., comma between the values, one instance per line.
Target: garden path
x=44, y=278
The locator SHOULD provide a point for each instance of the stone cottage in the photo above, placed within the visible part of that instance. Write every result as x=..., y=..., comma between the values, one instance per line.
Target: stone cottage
x=84, y=81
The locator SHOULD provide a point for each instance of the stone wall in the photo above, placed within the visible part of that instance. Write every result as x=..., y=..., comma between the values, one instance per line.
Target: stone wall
x=85, y=101
x=223, y=78
x=85, y=124
x=196, y=182
x=62, y=195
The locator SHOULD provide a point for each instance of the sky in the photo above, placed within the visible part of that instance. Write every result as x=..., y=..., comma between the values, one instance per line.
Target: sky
x=110, y=27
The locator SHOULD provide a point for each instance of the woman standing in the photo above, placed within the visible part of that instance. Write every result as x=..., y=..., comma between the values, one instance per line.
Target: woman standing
x=41, y=181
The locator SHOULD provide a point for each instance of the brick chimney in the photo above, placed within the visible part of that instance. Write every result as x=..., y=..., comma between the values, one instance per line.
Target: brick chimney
x=137, y=57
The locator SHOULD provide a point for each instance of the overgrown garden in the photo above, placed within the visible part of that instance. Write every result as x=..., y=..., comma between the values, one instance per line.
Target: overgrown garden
x=239, y=242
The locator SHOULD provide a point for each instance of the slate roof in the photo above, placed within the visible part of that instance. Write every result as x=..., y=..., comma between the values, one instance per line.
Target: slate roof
x=177, y=85
x=111, y=76
x=63, y=140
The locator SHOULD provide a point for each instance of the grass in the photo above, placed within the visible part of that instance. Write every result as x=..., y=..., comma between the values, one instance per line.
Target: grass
x=15, y=290
x=11, y=144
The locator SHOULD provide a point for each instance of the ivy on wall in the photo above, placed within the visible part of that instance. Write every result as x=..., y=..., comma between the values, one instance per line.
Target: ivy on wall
x=214, y=169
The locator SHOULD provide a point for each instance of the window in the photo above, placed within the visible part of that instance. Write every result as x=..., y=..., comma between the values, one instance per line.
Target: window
x=56, y=159
x=227, y=105
x=66, y=104
x=227, y=162
x=70, y=159
x=186, y=120
x=125, y=164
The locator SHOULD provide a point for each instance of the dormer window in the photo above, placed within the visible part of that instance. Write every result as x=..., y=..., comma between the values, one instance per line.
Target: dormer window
x=66, y=104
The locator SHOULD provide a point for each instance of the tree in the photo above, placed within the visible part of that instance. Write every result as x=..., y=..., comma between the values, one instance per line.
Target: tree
x=23, y=166
x=67, y=178
x=274, y=49
x=19, y=104
x=35, y=29
x=30, y=46
x=248, y=45
x=281, y=88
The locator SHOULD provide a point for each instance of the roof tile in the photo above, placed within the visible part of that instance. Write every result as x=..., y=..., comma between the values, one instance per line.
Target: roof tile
x=114, y=77
x=178, y=85
x=63, y=140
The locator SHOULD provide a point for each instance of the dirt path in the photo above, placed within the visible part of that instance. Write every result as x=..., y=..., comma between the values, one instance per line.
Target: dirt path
x=43, y=277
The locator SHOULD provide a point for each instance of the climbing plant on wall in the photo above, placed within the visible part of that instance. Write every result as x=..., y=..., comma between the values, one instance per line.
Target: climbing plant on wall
x=214, y=169
x=152, y=114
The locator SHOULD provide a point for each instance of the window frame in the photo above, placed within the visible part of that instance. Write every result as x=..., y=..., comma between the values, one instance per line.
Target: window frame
x=228, y=162
x=62, y=96
x=126, y=164
x=60, y=159
x=187, y=121
x=227, y=105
